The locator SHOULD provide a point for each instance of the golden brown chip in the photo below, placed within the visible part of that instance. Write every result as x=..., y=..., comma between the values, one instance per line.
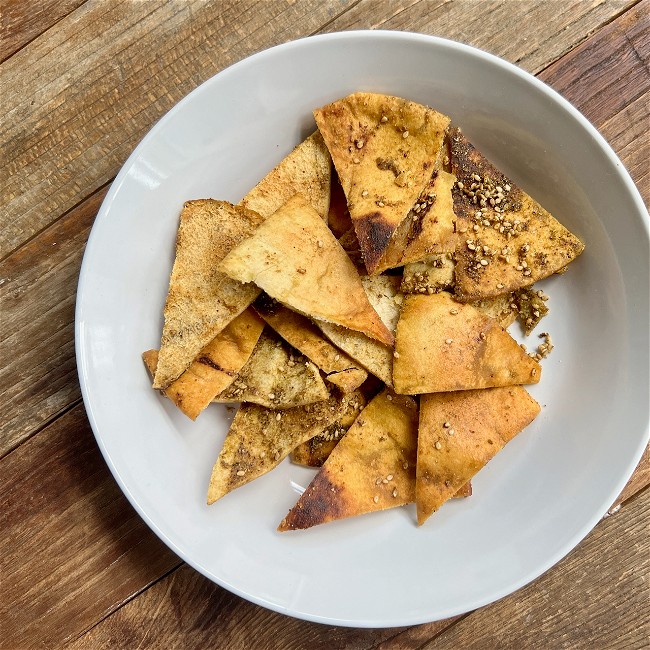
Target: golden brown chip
x=459, y=433
x=531, y=308
x=296, y=259
x=429, y=228
x=384, y=149
x=431, y=275
x=443, y=345
x=372, y=467
x=215, y=367
x=260, y=438
x=302, y=334
x=202, y=300
x=306, y=170
x=508, y=241
x=276, y=377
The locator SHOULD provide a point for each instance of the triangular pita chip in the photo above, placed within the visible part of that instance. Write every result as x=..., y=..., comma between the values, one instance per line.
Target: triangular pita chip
x=260, y=438
x=384, y=149
x=375, y=357
x=443, y=345
x=459, y=433
x=296, y=259
x=372, y=467
x=215, y=367
x=306, y=170
x=276, y=377
x=429, y=228
x=202, y=300
x=508, y=241
x=302, y=334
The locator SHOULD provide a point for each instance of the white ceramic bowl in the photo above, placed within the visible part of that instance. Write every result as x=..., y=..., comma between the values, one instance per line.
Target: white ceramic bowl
x=534, y=502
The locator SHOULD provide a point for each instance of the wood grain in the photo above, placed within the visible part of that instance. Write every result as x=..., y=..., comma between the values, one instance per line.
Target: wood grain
x=71, y=547
x=530, y=33
x=37, y=304
x=610, y=567
x=21, y=22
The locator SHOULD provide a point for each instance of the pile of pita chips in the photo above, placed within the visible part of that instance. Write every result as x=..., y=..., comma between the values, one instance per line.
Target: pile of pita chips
x=360, y=317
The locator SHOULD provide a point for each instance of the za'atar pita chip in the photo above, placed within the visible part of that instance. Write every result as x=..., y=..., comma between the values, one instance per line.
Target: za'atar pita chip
x=296, y=259
x=215, y=367
x=443, y=345
x=507, y=240
x=459, y=433
x=384, y=149
x=202, y=300
x=276, y=377
x=302, y=334
x=260, y=438
x=371, y=468
x=307, y=170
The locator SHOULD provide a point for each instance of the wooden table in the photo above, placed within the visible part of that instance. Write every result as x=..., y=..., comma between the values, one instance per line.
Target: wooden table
x=80, y=83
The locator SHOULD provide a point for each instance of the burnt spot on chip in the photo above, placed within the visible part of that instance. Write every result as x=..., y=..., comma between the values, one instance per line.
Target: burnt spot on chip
x=374, y=234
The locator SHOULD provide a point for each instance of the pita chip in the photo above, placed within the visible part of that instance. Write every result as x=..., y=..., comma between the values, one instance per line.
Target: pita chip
x=459, y=433
x=275, y=377
x=296, y=259
x=371, y=468
x=519, y=240
x=216, y=365
x=260, y=438
x=384, y=149
x=429, y=228
x=302, y=334
x=443, y=345
x=502, y=308
x=307, y=170
x=202, y=300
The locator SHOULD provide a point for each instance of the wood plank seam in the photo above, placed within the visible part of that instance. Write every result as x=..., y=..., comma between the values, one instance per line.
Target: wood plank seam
x=334, y=18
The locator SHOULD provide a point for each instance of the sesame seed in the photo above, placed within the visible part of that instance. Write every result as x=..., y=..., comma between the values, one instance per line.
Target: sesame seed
x=451, y=432
x=389, y=477
x=241, y=472
x=378, y=481
x=484, y=262
x=405, y=465
x=364, y=193
x=507, y=188
x=395, y=492
x=453, y=311
x=438, y=445
x=278, y=417
x=405, y=134
x=389, y=398
x=384, y=119
x=447, y=425
x=499, y=285
x=271, y=395
x=482, y=336
x=376, y=498
x=320, y=244
x=360, y=142
x=355, y=160
x=396, y=354
x=449, y=341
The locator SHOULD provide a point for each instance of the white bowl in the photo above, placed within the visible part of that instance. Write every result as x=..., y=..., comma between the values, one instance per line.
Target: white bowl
x=534, y=502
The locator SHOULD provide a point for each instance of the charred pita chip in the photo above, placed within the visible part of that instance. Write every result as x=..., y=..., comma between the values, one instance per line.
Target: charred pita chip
x=443, y=345
x=314, y=452
x=371, y=468
x=508, y=240
x=459, y=433
x=375, y=357
x=306, y=170
x=302, y=334
x=260, y=438
x=431, y=275
x=384, y=149
x=429, y=228
x=296, y=259
x=216, y=366
x=202, y=300
x=276, y=376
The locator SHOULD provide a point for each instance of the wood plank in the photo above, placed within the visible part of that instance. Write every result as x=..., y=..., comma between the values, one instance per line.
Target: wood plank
x=21, y=22
x=611, y=566
x=78, y=101
x=530, y=33
x=71, y=547
x=38, y=378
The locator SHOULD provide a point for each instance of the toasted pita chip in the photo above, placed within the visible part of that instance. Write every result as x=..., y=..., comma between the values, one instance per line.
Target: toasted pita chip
x=202, y=300
x=503, y=226
x=372, y=467
x=375, y=357
x=297, y=260
x=459, y=433
x=431, y=275
x=307, y=170
x=276, y=377
x=443, y=345
x=384, y=149
x=260, y=438
x=502, y=308
x=302, y=334
x=531, y=308
x=314, y=452
x=429, y=228
x=216, y=366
